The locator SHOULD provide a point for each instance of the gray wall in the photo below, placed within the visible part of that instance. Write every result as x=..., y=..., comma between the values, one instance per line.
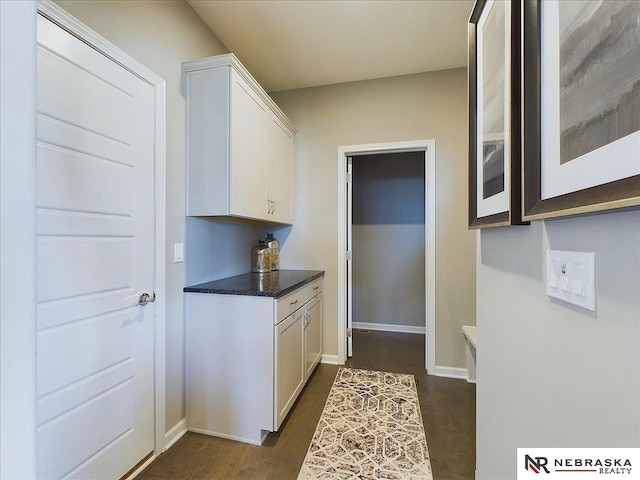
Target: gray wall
x=219, y=248
x=412, y=107
x=550, y=374
x=389, y=239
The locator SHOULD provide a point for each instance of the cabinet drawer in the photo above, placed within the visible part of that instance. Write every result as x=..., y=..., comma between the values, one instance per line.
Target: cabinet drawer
x=313, y=289
x=288, y=304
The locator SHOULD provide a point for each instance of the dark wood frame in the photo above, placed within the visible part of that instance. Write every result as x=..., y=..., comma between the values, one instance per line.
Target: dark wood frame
x=512, y=216
x=622, y=193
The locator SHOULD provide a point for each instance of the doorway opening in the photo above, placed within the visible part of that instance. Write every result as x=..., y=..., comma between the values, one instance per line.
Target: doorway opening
x=387, y=242
x=352, y=225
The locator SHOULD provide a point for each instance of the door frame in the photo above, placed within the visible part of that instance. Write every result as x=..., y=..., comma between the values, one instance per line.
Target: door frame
x=18, y=240
x=429, y=149
x=69, y=23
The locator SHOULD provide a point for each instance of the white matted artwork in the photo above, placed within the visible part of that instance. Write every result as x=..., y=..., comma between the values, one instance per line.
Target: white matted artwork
x=494, y=124
x=590, y=93
x=492, y=155
x=581, y=116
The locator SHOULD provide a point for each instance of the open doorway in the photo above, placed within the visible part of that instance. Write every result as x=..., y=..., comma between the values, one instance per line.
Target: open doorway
x=410, y=319
x=388, y=242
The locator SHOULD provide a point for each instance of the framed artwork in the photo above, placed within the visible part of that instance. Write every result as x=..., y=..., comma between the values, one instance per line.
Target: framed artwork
x=494, y=114
x=581, y=106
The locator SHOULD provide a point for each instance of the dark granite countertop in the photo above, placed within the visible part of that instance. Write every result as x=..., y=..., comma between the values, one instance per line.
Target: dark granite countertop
x=272, y=284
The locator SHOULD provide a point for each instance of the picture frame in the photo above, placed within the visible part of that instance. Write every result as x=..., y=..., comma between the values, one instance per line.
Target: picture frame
x=574, y=162
x=494, y=114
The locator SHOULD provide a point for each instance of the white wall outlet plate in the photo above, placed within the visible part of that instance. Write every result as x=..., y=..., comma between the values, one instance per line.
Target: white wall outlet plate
x=571, y=276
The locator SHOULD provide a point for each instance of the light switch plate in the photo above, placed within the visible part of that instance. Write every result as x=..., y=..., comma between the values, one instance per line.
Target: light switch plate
x=178, y=252
x=571, y=276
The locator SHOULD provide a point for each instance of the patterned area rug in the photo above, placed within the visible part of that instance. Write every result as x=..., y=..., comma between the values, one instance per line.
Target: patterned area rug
x=370, y=428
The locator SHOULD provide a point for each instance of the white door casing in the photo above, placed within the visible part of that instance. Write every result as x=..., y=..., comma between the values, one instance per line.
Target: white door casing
x=349, y=256
x=17, y=240
x=98, y=169
x=344, y=231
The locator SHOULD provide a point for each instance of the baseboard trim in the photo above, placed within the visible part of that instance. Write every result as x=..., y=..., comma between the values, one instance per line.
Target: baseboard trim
x=386, y=327
x=173, y=435
x=330, y=359
x=452, y=372
x=231, y=437
x=138, y=470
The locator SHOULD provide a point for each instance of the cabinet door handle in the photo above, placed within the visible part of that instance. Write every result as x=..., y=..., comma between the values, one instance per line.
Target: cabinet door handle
x=273, y=209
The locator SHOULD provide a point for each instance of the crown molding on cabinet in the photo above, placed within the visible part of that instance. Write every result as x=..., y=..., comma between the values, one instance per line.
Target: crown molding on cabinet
x=230, y=60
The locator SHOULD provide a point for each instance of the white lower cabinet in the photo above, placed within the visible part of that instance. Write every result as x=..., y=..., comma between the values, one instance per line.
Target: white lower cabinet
x=313, y=335
x=289, y=364
x=248, y=359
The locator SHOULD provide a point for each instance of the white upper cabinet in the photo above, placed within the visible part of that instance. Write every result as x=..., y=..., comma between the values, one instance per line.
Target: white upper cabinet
x=248, y=182
x=280, y=169
x=239, y=145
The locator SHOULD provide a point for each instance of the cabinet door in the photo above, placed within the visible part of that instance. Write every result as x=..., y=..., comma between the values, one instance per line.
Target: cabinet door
x=248, y=176
x=280, y=171
x=313, y=335
x=289, y=363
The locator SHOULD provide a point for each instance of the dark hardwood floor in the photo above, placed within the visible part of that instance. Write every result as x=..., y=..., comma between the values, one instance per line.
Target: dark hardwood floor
x=447, y=405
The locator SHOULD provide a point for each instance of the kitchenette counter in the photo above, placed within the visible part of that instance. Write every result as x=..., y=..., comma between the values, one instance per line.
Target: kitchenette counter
x=253, y=341
x=273, y=284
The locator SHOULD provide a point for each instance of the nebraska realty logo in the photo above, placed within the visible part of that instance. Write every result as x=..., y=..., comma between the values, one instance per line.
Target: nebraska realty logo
x=582, y=463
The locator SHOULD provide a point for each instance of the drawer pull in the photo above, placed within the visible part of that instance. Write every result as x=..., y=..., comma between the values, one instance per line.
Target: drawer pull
x=316, y=288
x=293, y=303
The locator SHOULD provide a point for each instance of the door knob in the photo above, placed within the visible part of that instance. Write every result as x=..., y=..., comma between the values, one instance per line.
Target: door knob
x=146, y=298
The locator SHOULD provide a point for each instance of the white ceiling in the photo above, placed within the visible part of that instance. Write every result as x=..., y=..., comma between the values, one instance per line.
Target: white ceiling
x=289, y=44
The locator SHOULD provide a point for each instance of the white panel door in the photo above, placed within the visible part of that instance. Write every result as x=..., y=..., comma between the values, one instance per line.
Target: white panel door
x=95, y=178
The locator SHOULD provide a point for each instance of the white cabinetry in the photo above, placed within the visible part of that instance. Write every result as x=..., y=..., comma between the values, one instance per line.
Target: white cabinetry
x=289, y=366
x=248, y=153
x=248, y=358
x=280, y=169
x=298, y=344
x=313, y=334
x=239, y=145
